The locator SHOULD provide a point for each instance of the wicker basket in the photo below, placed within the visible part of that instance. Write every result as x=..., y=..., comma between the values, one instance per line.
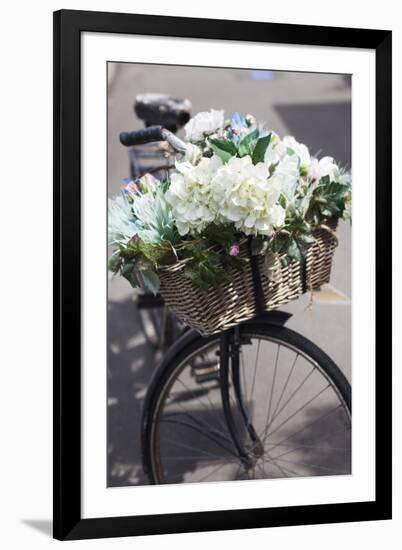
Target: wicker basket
x=216, y=309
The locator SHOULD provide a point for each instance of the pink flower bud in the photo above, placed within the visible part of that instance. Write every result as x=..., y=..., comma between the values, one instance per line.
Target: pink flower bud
x=234, y=250
x=135, y=238
x=132, y=187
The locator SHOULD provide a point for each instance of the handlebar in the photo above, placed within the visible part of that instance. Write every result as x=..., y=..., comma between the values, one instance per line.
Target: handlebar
x=152, y=134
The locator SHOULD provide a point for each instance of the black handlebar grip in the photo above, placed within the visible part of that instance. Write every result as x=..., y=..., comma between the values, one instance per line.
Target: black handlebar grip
x=139, y=137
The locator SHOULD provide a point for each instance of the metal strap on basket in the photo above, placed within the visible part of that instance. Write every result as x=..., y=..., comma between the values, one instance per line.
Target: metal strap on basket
x=259, y=299
x=304, y=275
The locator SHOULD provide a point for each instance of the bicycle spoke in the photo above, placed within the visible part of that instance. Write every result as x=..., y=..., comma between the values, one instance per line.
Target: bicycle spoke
x=262, y=466
x=273, y=385
x=281, y=470
x=309, y=464
x=244, y=373
x=285, y=386
x=272, y=460
x=288, y=400
x=259, y=466
x=196, y=428
x=209, y=409
x=305, y=427
x=298, y=474
x=196, y=457
x=255, y=369
x=297, y=412
x=317, y=447
x=238, y=471
x=301, y=447
x=184, y=446
x=199, y=423
x=210, y=473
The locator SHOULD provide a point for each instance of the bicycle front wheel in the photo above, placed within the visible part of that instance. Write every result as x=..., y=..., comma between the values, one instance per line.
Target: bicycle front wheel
x=296, y=398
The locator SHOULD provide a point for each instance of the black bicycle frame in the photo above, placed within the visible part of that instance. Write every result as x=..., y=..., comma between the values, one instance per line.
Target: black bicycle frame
x=230, y=361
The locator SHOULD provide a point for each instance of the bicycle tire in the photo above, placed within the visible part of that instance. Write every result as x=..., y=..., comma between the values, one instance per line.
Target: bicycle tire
x=166, y=372
x=151, y=321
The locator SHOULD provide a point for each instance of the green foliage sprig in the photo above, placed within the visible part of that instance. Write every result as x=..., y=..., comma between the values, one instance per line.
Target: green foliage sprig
x=251, y=144
x=292, y=241
x=328, y=199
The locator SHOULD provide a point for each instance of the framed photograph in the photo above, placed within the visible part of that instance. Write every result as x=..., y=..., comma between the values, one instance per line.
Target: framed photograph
x=217, y=313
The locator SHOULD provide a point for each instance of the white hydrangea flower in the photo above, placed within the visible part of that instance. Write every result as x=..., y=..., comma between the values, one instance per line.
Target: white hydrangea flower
x=286, y=175
x=299, y=148
x=275, y=150
x=279, y=149
x=323, y=167
x=247, y=196
x=189, y=194
x=193, y=154
x=203, y=124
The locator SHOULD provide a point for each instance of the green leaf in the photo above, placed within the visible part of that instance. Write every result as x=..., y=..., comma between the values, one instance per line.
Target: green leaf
x=324, y=181
x=306, y=238
x=129, y=272
x=245, y=145
x=223, y=148
x=236, y=262
x=115, y=263
x=294, y=252
x=282, y=201
x=224, y=144
x=195, y=278
x=303, y=170
x=157, y=252
x=205, y=269
x=260, y=148
x=149, y=278
x=223, y=234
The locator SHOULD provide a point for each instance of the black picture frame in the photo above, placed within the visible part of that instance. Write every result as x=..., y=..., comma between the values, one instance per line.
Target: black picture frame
x=68, y=27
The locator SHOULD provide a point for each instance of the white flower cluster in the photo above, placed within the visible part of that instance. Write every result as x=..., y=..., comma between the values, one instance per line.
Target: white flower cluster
x=238, y=192
x=207, y=190
x=203, y=124
x=190, y=194
x=292, y=155
x=246, y=195
x=232, y=173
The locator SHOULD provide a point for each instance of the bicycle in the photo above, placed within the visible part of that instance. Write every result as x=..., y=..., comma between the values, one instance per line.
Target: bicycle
x=159, y=325
x=212, y=411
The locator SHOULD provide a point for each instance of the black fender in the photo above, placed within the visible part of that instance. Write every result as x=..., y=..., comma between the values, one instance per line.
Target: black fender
x=274, y=317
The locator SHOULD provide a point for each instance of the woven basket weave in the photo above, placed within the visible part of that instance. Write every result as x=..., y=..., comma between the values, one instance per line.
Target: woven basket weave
x=216, y=309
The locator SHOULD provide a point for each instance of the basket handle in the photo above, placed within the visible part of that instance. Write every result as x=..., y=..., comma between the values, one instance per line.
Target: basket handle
x=330, y=231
